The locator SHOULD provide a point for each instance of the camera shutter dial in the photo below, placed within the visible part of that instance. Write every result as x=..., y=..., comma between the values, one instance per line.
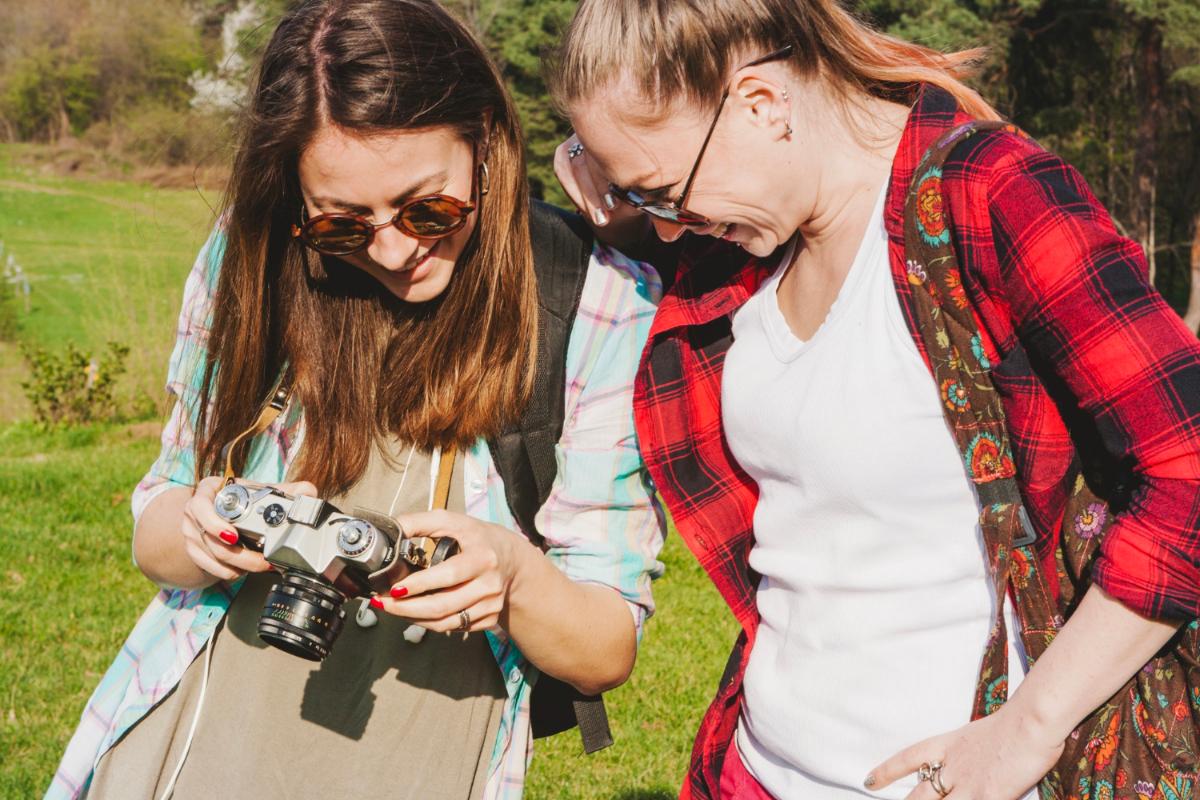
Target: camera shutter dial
x=232, y=502
x=355, y=537
x=274, y=515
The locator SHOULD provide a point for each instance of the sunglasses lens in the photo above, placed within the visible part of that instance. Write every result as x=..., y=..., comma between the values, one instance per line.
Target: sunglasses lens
x=433, y=218
x=337, y=236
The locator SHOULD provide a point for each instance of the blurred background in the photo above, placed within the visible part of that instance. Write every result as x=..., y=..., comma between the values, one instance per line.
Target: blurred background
x=116, y=130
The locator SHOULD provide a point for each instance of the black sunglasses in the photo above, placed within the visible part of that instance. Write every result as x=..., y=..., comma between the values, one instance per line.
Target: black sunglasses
x=432, y=216
x=673, y=210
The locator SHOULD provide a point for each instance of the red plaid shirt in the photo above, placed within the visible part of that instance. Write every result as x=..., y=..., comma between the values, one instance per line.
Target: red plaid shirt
x=1086, y=355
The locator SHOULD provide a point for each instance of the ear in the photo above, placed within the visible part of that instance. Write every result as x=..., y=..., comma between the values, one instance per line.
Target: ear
x=762, y=100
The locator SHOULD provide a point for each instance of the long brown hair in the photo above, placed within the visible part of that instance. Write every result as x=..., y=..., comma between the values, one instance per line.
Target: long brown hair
x=364, y=364
x=683, y=49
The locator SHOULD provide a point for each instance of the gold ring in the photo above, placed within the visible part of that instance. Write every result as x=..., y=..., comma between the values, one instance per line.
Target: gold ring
x=935, y=779
x=464, y=621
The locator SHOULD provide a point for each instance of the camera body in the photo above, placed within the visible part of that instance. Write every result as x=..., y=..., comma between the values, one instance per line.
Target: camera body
x=325, y=556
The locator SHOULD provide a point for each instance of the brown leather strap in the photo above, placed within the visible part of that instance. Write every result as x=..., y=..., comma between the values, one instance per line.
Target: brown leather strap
x=270, y=412
x=441, y=494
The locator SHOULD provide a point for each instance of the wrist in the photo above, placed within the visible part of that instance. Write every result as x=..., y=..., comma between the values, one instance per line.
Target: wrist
x=1040, y=719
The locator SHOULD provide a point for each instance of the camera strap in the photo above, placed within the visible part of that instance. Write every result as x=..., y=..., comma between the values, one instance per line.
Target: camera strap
x=278, y=400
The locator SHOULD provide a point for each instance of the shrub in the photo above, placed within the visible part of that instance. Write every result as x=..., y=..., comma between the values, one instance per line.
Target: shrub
x=69, y=388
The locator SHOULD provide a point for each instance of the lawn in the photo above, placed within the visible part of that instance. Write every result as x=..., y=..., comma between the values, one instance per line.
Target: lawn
x=105, y=260
x=108, y=260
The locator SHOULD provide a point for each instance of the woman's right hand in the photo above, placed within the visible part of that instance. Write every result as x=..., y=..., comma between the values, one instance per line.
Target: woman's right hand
x=212, y=543
x=613, y=222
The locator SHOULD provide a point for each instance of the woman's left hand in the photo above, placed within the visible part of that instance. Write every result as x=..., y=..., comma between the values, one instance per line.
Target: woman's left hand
x=475, y=581
x=999, y=757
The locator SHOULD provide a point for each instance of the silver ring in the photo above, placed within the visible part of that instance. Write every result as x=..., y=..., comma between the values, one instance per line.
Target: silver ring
x=464, y=621
x=575, y=151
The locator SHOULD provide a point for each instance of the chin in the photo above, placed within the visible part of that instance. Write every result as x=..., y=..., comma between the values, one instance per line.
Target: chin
x=421, y=285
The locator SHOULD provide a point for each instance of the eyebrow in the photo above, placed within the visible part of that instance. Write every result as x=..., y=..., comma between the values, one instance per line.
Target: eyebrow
x=322, y=201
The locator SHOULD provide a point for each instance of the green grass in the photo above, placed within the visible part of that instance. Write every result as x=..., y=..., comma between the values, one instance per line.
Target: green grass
x=69, y=594
x=106, y=261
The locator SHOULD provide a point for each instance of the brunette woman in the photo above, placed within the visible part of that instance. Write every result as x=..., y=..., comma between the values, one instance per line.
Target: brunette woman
x=787, y=412
x=376, y=249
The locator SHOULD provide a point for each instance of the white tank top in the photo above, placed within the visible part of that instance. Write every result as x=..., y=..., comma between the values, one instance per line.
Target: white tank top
x=875, y=599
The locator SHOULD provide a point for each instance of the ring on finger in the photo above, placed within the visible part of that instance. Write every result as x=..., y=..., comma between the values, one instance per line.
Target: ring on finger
x=464, y=621
x=575, y=151
x=935, y=780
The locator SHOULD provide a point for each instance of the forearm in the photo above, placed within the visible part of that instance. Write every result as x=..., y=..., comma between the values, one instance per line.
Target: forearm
x=158, y=544
x=580, y=633
x=1068, y=682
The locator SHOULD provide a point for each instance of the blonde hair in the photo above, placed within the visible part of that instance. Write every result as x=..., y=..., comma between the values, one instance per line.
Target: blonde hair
x=685, y=49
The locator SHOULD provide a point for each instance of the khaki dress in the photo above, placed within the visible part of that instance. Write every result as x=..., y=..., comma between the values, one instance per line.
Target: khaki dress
x=379, y=718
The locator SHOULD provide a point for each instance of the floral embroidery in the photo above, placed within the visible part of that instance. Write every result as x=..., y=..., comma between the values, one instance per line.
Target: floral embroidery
x=954, y=395
x=1021, y=569
x=1103, y=747
x=1181, y=711
x=916, y=273
x=987, y=460
x=1144, y=790
x=1175, y=786
x=978, y=351
x=1091, y=520
x=931, y=221
x=954, y=284
x=997, y=694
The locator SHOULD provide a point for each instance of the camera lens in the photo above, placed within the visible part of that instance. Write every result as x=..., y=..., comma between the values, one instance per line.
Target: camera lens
x=303, y=616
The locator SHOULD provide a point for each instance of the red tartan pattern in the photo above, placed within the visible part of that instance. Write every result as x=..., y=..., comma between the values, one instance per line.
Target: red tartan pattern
x=1074, y=334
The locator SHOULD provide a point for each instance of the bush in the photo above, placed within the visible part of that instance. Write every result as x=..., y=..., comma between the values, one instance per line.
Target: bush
x=9, y=324
x=69, y=388
x=158, y=134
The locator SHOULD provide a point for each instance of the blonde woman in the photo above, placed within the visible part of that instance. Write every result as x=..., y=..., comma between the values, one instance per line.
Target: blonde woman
x=791, y=423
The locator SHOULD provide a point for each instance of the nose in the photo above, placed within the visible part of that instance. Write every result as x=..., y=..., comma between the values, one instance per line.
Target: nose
x=392, y=249
x=666, y=230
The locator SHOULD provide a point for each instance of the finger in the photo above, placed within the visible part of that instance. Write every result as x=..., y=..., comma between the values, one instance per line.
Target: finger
x=470, y=565
x=905, y=762
x=196, y=548
x=436, y=523
x=442, y=612
x=924, y=791
x=577, y=181
x=296, y=488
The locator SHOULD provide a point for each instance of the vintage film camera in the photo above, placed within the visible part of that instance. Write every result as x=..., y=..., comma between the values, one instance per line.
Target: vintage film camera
x=325, y=556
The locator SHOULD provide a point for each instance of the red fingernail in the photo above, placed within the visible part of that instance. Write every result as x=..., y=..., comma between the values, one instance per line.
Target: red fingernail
x=228, y=537
x=399, y=592
x=376, y=603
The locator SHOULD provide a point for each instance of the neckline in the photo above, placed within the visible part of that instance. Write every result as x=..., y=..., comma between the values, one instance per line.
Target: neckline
x=785, y=344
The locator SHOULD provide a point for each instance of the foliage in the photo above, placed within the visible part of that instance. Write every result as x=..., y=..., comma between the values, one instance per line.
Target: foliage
x=69, y=388
x=10, y=324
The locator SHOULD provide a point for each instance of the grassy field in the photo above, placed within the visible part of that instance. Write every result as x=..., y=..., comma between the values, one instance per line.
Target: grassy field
x=105, y=260
x=108, y=261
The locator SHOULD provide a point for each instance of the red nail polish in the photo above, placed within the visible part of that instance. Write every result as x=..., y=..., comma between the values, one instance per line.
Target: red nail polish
x=399, y=591
x=377, y=603
x=228, y=537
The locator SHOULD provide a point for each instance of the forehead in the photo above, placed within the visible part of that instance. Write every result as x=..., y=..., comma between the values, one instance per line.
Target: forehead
x=632, y=149
x=336, y=157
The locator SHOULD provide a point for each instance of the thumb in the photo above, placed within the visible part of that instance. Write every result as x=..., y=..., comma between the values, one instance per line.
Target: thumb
x=296, y=488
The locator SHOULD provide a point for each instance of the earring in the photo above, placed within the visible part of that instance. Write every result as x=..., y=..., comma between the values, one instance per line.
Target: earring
x=787, y=133
x=485, y=179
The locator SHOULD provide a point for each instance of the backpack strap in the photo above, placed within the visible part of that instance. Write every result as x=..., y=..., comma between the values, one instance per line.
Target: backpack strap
x=524, y=454
x=947, y=326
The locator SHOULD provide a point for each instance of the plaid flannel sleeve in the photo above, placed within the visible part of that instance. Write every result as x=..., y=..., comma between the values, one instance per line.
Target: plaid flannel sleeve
x=601, y=522
x=176, y=462
x=1081, y=298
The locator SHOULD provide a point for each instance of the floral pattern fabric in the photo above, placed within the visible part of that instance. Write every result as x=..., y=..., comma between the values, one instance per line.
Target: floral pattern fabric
x=1143, y=743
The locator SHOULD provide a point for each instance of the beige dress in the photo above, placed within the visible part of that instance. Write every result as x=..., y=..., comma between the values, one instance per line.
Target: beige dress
x=379, y=718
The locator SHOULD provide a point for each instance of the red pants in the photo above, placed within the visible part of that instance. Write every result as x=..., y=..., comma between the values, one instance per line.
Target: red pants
x=736, y=781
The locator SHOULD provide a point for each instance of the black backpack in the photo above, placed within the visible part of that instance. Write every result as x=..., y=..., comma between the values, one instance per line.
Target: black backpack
x=524, y=454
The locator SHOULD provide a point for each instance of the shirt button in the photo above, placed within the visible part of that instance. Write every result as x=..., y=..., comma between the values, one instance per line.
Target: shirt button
x=477, y=486
x=514, y=675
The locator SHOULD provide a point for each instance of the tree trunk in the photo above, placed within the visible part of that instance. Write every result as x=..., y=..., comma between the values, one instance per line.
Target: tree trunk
x=1145, y=157
x=1192, y=315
